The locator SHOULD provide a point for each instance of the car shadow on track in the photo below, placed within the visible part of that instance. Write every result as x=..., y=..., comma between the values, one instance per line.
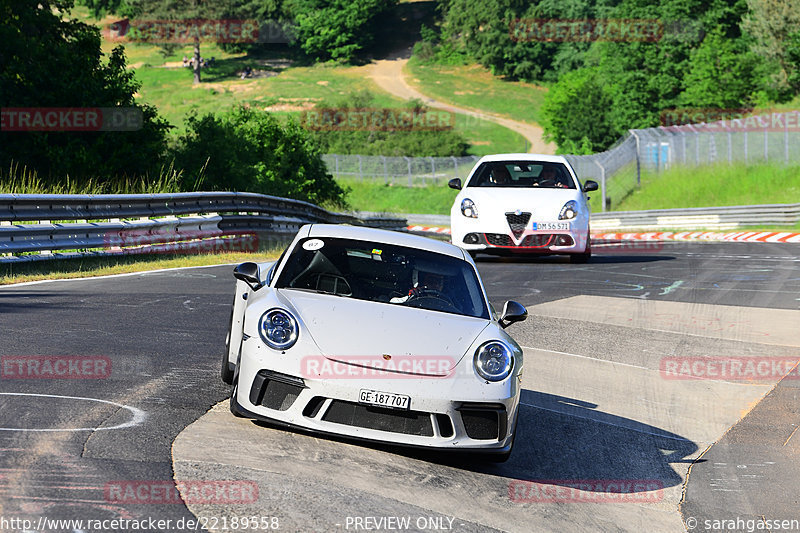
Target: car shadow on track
x=566, y=441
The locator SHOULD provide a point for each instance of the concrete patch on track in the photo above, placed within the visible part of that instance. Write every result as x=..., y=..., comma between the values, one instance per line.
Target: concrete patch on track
x=600, y=413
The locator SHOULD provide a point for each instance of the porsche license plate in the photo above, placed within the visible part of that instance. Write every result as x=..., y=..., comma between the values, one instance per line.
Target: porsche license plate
x=384, y=399
x=551, y=226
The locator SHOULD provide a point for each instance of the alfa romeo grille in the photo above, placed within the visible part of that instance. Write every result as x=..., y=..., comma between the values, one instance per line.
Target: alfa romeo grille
x=517, y=222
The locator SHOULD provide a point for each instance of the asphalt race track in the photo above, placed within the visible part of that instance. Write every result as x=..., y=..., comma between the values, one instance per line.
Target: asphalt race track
x=602, y=411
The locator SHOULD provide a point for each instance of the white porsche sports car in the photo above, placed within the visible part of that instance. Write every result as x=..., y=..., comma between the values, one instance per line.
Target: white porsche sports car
x=375, y=335
x=522, y=203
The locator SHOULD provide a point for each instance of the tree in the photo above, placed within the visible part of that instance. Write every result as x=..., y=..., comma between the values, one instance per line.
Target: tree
x=772, y=23
x=722, y=74
x=335, y=29
x=48, y=60
x=575, y=113
x=179, y=10
x=247, y=150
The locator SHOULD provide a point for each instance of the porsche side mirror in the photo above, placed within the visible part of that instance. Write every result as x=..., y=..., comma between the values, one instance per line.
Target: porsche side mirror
x=512, y=312
x=589, y=186
x=249, y=273
x=455, y=183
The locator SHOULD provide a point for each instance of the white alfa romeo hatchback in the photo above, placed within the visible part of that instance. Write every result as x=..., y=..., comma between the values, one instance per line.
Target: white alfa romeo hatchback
x=522, y=203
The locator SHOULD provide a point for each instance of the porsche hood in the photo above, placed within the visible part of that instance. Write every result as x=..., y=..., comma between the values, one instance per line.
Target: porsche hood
x=389, y=336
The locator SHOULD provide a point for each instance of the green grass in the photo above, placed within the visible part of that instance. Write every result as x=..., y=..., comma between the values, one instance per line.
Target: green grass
x=104, y=266
x=715, y=185
x=375, y=196
x=475, y=87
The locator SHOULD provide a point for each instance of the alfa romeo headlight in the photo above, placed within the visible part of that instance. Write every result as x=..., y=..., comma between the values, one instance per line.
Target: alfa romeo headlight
x=570, y=210
x=278, y=329
x=493, y=361
x=468, y=208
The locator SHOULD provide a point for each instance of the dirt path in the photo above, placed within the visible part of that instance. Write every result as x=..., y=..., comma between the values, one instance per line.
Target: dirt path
x=389, y=75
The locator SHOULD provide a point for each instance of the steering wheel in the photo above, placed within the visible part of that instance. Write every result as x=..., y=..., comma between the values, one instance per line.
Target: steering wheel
x=419, y=296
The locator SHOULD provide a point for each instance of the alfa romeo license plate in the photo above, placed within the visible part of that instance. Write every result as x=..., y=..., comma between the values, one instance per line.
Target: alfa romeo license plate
x=384, y=399
x=551, y=226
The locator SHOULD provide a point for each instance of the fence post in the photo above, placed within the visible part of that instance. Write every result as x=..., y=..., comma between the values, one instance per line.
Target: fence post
x=730, y=147
x=408, y=160
x=360, y=170
x=455, y=166
x=385, y=173
x=638, y=168
x=766, y=145
x=745, y=146
x=602, y=184
x=336, y=158
x=433, y=170
x=786, y=140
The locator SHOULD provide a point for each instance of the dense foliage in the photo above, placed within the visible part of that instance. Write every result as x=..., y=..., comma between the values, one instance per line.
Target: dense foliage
x=247, y=150
x=322, y=29
x=367, y=139
x=720, y=53
x=50, y=61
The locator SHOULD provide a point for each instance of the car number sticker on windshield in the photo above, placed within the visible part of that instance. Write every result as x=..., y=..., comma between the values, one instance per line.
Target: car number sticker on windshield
x=384, y=399
x=313, y=244
x=550, y=226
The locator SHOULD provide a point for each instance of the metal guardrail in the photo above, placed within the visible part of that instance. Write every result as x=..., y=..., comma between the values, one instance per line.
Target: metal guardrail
x=685, y=218
x=140, y=223
x=730, y=217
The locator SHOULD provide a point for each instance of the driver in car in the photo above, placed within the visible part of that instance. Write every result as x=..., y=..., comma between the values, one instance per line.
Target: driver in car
x=427, y=282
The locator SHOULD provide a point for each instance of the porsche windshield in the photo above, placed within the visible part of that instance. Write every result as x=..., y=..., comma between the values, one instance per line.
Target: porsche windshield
x=384, y=273
x=522, y=174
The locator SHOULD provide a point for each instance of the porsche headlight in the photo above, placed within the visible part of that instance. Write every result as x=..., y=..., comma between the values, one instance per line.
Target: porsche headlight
x=570, y=210
x=278, y=329
x=493, y=361
x=468, y=208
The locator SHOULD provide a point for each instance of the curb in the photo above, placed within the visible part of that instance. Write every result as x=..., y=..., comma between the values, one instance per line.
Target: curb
x=738, y=236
